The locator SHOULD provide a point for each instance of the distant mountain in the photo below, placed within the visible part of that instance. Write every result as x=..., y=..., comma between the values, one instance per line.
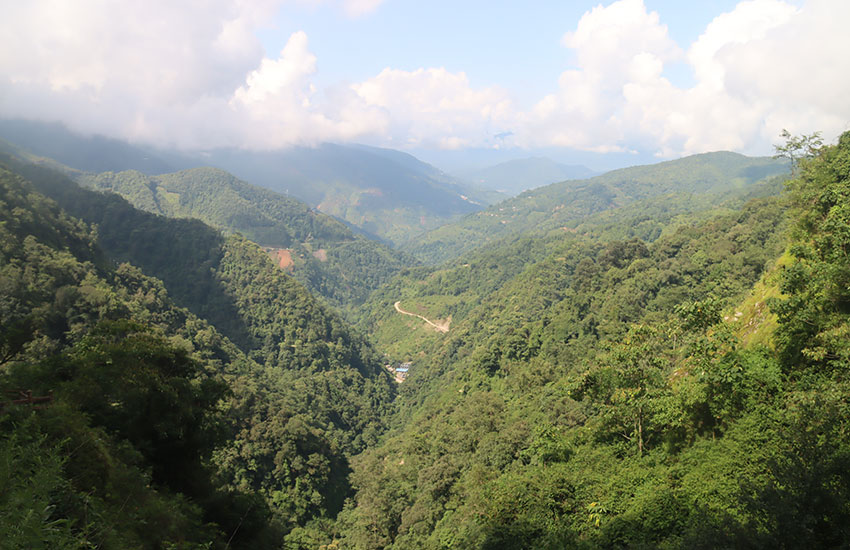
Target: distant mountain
x=515, y=176
x=387, y=194
x=562, y=205
x=88, y=153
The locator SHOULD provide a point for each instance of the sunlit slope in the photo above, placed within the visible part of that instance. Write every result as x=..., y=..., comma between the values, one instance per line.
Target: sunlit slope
x=323, y=253
x=709, y=176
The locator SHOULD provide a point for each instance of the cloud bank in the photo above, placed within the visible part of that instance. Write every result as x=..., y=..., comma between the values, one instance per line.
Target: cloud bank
x=194, y=75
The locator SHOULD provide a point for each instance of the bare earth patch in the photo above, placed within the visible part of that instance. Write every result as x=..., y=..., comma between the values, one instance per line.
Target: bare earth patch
x=441, y=325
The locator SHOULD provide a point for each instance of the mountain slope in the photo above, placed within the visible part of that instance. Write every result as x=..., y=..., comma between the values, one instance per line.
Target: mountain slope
x=520, y=421
x=711, y=176
x=137, y=390
x=325, y=255
x=307, y=392
x=612, y=394
x=384, y=193
x=515, y=176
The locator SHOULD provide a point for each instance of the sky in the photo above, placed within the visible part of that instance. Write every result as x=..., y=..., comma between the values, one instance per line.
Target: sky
x=632, y=78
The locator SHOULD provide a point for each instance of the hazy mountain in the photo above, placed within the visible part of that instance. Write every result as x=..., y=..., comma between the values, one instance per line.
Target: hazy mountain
x=88, y=153
x=385, y=193
x=563, y=204
x=515, y=176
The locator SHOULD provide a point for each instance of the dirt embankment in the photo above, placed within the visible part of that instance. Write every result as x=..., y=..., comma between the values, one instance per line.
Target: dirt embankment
x=281, y=256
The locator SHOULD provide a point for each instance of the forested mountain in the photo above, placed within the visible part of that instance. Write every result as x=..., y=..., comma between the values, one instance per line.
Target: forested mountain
x=254, y=424
x=384, y=193
x=321, y=252
x=564, y=204
x=515, y=176
x=451, y=291
x=660, y=363
x=612, y=394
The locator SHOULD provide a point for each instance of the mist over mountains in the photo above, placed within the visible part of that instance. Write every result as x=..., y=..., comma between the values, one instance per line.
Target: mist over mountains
x=515, y=176
x=384, y=193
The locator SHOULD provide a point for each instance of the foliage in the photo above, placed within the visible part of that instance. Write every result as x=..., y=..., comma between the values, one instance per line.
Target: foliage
x=270, y=448
x=707, y=177
x=330, y=259
x=597, y=387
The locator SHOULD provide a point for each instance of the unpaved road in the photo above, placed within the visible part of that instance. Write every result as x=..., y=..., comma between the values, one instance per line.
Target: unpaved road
x=442, y=327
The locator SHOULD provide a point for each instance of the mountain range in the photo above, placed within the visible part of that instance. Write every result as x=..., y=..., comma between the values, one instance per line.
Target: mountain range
x=383, y=193
x=515, y=176
x=560, y=206
x=655, y=357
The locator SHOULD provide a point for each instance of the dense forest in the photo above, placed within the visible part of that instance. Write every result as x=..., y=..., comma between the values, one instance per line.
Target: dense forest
x=710, y=176
x=659, y=360
x=254, y=423
x=328, y=257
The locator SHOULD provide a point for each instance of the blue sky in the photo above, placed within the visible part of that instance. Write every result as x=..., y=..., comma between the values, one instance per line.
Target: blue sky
x=512, y=44
x=595, y=82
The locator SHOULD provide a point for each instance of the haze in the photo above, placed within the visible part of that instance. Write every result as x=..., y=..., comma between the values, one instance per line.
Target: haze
x=627, y=80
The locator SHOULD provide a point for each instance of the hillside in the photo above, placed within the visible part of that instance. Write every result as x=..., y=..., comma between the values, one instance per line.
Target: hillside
x=301, y=388
x=453, y=289
x=384, y=193
x=602, y=397
x=669, y=373
x=515, y=176
x=324, y=254
x=711, y=176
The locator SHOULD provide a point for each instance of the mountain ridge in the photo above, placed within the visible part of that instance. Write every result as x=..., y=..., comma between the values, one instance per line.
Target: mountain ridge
x=562, y=204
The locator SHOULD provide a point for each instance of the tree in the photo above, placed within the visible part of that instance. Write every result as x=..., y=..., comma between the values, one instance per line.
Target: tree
x=798, y=148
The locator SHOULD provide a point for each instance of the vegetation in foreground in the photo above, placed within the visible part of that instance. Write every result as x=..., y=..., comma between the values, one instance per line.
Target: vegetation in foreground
x=600, y=389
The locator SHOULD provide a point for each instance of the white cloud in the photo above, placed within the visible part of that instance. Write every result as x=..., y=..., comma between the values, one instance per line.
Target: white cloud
x=613, y=46
x=764, y=66
x=123, y=67
x=352, y=8
x=357, y=8
x=279, y=106
x=437, y=108
x=190, y=74
x=193, y=74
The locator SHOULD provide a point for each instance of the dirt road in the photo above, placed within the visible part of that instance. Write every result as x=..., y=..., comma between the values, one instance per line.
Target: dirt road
x=443, y=326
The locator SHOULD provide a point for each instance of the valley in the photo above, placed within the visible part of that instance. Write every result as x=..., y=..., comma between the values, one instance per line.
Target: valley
x=651, y=357
x=387, y=275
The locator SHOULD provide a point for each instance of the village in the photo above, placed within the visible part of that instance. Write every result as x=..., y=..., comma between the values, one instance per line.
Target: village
x=399, y=371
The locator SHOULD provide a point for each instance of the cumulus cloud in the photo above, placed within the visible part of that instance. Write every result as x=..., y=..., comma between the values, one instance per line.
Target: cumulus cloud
x=764, y=66
x=195, y=75
x=612, y=46
x=278, y=104
x=122, y=68
x=437, y=108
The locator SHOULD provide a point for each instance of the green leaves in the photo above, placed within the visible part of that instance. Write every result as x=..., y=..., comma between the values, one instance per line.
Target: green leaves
x=814, y=315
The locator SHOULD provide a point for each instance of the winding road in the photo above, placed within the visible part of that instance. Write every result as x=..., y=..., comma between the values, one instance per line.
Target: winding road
x=442, y=327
